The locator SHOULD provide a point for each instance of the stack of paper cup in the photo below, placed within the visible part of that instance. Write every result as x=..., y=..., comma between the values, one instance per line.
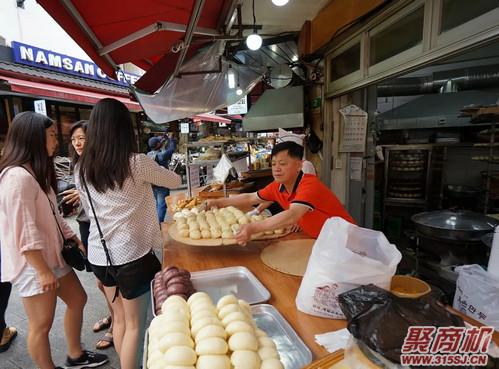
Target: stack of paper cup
x=493, y=267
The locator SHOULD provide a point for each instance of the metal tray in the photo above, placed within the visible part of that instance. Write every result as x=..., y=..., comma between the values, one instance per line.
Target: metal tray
x=293, y=351
x=220, y=282
x=236, y=280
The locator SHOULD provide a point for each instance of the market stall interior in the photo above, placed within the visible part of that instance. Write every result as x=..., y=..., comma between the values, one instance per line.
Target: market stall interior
x=437, y=130
x=202, y=56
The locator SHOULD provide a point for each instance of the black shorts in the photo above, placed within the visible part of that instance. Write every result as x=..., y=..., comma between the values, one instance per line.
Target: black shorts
x=137, y=283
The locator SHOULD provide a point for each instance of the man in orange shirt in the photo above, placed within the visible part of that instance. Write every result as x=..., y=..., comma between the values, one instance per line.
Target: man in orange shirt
x=304, y=198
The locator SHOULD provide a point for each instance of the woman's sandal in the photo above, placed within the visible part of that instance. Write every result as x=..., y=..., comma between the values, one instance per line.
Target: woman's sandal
x=105, y=341
x=8, y=336
x=104, y=323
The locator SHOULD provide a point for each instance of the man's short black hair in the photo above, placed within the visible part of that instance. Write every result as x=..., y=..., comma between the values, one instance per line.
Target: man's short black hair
x=294, y=150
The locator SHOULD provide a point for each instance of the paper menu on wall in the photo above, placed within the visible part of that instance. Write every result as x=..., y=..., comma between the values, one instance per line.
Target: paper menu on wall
x=353, y=129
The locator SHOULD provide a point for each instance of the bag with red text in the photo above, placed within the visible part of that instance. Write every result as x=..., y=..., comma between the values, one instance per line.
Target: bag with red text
x=345, y=256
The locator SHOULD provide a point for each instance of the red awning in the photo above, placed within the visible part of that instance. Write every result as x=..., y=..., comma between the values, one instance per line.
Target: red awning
x=142, y=33
x=210, y=118
x=63, y=93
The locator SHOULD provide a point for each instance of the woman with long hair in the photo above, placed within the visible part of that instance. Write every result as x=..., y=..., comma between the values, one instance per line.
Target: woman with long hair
x=115, y=187
x=31, y=241
x=78, y=134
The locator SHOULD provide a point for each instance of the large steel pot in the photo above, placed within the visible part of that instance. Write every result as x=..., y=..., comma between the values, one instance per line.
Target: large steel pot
x=460, y=225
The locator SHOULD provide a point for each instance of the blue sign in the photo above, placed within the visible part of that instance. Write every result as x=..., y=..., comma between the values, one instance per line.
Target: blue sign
x=41, y=58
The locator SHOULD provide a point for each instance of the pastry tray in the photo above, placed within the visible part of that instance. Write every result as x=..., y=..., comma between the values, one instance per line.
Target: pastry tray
x=292, y=350
x=210, y=242
x=238, y=280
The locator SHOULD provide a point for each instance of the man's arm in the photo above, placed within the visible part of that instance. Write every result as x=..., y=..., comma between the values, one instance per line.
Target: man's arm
x=164, y=156
x=239, y=201
x=281, y=220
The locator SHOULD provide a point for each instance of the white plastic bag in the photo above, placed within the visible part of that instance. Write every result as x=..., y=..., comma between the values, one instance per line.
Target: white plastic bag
x=222, y=169
x=477, y=294
x=344, y=257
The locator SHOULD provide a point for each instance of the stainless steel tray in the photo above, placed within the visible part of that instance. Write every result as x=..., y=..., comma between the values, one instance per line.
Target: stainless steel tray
x=236, y=280
x=293, y=351
x=220, y=282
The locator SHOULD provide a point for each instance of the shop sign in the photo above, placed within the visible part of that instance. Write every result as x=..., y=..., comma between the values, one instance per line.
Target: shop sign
x=209, y=173
x=241, y=107
x=40, y=107
x=184, y=127
x=194, y=176
x=46, y=59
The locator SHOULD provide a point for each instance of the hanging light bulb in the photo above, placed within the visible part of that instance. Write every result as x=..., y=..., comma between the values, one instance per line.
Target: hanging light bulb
x=280, y=2
x=254, y=41
x=231, y=77
x=239, y=91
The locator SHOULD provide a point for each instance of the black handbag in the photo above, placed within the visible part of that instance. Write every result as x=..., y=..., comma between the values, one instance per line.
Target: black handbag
x=132, y=279
x=71, y=252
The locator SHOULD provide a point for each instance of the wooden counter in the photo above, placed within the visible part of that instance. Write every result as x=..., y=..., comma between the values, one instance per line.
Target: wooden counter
x=283, y=288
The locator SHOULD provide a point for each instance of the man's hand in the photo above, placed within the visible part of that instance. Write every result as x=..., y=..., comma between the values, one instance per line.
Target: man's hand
x=71, y=197
x=295, y=228
x=47, y=280
x=214, y=203
x=244, y=234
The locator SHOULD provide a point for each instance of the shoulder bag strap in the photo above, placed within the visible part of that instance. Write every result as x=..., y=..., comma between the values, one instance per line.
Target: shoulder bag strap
x=101, y=235
x=52, y=207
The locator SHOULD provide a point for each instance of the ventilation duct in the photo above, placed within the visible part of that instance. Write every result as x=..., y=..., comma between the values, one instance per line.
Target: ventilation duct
x=462, y=79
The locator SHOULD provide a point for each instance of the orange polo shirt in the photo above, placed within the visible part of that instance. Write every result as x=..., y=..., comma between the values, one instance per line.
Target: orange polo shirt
x=311, y=192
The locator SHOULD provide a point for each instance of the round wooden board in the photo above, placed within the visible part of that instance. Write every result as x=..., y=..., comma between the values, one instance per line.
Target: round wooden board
x=289, y=257
x=173, y=231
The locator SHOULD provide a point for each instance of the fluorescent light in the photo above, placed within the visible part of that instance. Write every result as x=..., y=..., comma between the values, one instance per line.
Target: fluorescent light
x=280, y=2
x=254, y=41
x=231, y=77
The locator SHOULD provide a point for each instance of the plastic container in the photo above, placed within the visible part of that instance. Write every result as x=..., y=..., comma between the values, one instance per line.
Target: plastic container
x=409, y=287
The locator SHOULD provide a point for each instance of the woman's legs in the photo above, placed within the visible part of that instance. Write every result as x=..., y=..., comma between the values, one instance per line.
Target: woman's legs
x=7, y=334
x=75, y=298
x=5, y=288
x=107, y=340
x=135, y=318
x=118, y=316
x=40, y=310
x=129, y=322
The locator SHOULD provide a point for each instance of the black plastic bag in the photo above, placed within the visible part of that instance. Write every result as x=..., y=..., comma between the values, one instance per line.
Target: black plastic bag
x=381, y=320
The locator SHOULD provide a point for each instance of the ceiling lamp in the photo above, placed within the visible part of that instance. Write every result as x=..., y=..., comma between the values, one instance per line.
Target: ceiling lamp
x=280, y=2
x=239, y=91
x=254, y=41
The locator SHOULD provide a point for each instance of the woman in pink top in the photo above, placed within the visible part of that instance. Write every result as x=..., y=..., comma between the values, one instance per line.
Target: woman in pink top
x=31, y=242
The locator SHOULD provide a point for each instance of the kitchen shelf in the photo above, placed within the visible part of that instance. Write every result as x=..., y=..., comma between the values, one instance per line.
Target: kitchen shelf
x=232, y=155
x=486, y=144
x=210, y=143
x=204, y=162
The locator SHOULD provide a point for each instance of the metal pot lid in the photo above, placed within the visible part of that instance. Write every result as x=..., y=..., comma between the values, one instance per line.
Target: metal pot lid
x=460, y=220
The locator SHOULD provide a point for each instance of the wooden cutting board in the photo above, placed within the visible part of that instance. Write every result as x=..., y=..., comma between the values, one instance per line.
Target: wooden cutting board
x=174, y=233
x=289, y=257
